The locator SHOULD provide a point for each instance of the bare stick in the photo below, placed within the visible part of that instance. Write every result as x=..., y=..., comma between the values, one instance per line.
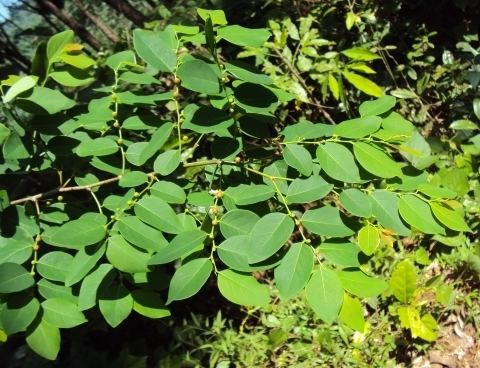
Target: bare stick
x=36, y=197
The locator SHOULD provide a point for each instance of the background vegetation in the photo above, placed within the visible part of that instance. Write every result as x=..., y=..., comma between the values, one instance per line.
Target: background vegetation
x=331, y=56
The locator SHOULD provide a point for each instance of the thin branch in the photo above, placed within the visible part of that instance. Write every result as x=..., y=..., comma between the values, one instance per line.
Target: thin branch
x=88, y=187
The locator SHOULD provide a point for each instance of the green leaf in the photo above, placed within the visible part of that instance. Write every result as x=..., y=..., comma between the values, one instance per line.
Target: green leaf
x=167, y=162
x=356, y=202
x=138, y=78
x=82, y=263
x=189, y=279
x=368, y=239
x=14, y=277
x=154, y=50
x=133, y=179
x=45, y=100
x=238, y=222
x=71, y=77
x=299, y=158
x=234, y=252
x=268, y=235
x=350, y=20
x=403, y=93
x=135, y=98
x=476, y=107
x=148, y=304
x=424, y=327
x=56, y=44
x=62, y=313
x=76, y=234
x=44, y=339
x=55, y=265
x=121, y=59
x=417, y=213
x=338, y=162
x=359, y=53
x=116, y=304
x=377, y=107
x=4, y=133
x=187, y=30
x=308, y=190
x=199, y=76
x=79, y=61
x=340, y=254
x=125, y=257
x=158, y=213
x=363, y=84
x=217, y=16
x=455, y=179
x=210, y=37
x=14, y=149
x=138, y=153
x=90, y=284
x=334, y=86
x=375, y=160
x=417, y=151
x=241, y=36
x=450, y=218
x=20, y=86
x=180, y=246
x=168, y=191
x=351, y=313
x=325, y=294
x=385, y=210
x=305, y=129
x=358, y=128
x=17, y=249
x=49, y=290
x=403, y=281
x=294, y=270
x=361, y=67
x=437, y=192
x=325, y=221
x=244, y=194
x=242, y=289
x=18, y=313
x=247, y=73
x=140, y=234
x=463, y=124
x=205, y=119
x=361, y=285
x=97, y=147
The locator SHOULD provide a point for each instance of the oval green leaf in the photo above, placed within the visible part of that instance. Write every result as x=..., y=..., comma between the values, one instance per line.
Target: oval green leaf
x=324, y=294
x=189, y=279
x=337, y=161
x=294, y=270
x=268, y=235
x=325, y=221
x=242, y=289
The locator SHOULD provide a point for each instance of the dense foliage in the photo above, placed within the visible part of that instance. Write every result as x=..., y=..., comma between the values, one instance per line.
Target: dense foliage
x=246, y=162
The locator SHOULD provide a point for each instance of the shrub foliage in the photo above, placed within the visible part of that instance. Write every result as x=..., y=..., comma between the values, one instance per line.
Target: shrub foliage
x=125, y=196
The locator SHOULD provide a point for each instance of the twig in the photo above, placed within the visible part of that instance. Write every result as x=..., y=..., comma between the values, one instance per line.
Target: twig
x=36, y=197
